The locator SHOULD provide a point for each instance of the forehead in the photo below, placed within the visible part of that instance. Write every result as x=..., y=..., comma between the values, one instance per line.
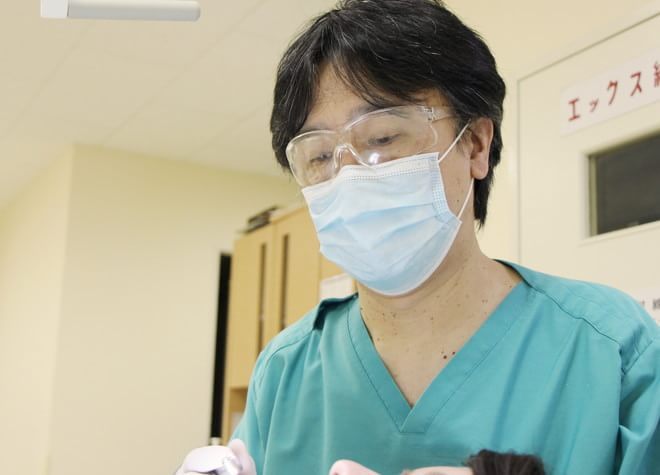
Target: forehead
x=335, y=103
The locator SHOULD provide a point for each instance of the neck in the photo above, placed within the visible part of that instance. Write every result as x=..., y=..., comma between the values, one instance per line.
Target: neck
x=446, y=309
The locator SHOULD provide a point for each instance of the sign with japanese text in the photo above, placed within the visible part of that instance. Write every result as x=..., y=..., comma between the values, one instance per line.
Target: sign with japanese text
x=612, y=93
x=650, y=300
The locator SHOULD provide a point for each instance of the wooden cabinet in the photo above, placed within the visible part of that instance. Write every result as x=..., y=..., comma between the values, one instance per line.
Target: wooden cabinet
x=249, y=299
x=276, y=275
x=297, y=266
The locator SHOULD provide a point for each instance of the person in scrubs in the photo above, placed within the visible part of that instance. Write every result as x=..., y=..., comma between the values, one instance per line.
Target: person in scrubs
x=388, y=113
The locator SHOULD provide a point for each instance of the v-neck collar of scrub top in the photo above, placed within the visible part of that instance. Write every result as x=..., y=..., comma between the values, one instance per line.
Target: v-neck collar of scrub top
x=457, y=371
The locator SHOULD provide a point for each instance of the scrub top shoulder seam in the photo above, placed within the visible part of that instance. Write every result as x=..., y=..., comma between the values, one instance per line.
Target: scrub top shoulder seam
x=273, y=348
x=295, y=334
x=625, y=367
x=575, y=315
x=643, y=338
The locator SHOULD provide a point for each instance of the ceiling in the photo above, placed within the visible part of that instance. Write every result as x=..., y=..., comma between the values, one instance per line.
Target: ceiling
x=196, y=91
x=191, y=91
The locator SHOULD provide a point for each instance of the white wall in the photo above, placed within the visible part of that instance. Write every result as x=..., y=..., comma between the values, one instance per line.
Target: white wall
x=555, y=198
x=137, y=336
x=523, y=35
x=33, y=230
x=108, y=289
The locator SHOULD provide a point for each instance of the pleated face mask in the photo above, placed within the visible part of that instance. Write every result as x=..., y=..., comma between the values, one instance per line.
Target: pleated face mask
x=389, y=226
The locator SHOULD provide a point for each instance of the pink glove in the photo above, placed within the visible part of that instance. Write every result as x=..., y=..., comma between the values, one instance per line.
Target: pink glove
x=441, y=471
x=219, y=460
x=347, y=467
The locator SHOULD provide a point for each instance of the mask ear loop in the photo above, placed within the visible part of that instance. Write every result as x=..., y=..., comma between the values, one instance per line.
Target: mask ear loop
x=467, y=198
x=453, y=144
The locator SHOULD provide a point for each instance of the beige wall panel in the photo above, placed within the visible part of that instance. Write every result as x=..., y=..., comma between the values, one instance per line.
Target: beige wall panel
x=136, y=343
x=33, y=230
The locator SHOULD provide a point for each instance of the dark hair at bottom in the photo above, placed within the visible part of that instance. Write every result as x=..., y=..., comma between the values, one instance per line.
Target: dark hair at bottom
x=487, y=462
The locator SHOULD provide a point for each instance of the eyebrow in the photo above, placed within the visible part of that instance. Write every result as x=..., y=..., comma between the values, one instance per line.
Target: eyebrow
x=355, y=113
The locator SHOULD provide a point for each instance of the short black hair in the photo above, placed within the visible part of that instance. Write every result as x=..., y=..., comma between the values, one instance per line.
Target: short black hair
x=487, y=462
x=391, y=48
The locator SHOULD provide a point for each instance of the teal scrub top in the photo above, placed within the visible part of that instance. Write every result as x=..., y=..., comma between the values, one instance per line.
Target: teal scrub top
x=565, y=370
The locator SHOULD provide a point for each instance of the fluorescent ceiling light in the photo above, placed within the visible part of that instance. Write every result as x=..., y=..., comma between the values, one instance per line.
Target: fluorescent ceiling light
x=172, y=10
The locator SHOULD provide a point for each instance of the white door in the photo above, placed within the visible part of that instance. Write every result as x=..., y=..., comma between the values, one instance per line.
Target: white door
x=554, y=174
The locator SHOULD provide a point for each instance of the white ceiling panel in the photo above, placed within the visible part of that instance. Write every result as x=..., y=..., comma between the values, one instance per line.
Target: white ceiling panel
x=16, y=97
x=175, y=44
x=47, y=128
x=99, y=87
x=31, y=47
x=279, y=20
x=169, y=131
x=235, y=77
x=246, y=147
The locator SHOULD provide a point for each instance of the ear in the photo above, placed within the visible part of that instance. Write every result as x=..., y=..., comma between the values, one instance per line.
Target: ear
x=480, y=138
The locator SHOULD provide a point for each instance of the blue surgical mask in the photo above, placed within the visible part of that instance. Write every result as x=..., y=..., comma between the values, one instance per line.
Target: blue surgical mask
x=388, y=226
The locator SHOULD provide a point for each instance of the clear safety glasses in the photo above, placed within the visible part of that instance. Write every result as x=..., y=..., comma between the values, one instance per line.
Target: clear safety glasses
x=372, y=139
